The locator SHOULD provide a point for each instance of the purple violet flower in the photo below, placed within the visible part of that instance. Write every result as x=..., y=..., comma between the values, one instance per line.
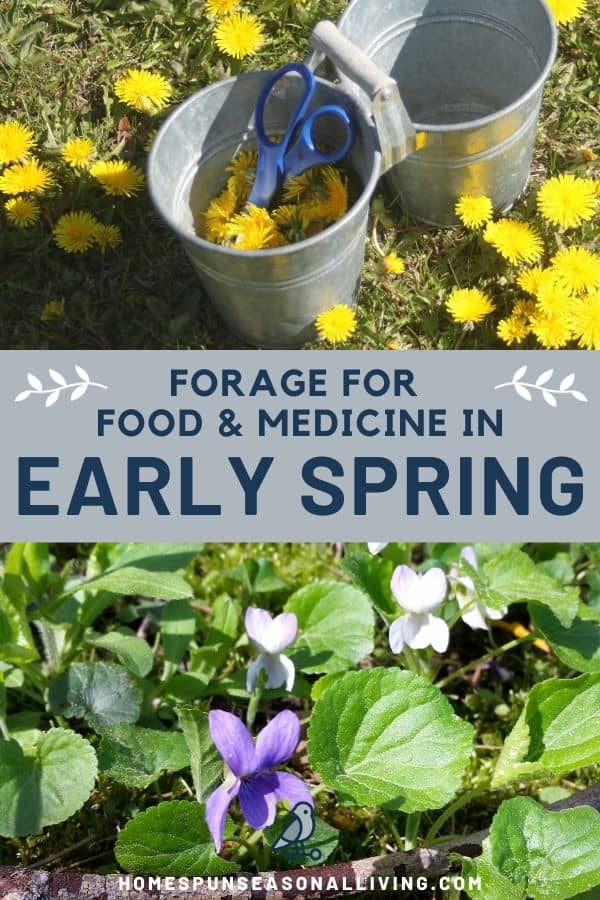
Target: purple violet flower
x=251, y=778
x=270, y=636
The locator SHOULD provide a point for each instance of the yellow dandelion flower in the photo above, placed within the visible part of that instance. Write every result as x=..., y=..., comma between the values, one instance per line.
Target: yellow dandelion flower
x=54, y=309
x=294, y=221
x=392, y=264
x=244, y=166
x=22, y=212
x=306, y=187
x=565, y=11
x=553, y=299
x=524, y=309
x=29, y=177
x=567, y=201
x=474, y=212
x=552, y=332
x=76, y=232
x=77, y=152
x=118, y=177
x=216, y=8
x=515, y=241
x=107, y=236
x=145, y=91
x=469, y=305
x=254, y=229
x=333, y=203
x=238, y=188
x=216, y=217
x=529, y=280
x=577, y=269
x=239, y=34
x=513, y=330
x=336, y=324
x=584, y=320
x=16, y=141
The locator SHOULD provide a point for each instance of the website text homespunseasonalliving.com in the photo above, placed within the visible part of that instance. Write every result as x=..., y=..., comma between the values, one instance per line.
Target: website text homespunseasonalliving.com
x=300, y=883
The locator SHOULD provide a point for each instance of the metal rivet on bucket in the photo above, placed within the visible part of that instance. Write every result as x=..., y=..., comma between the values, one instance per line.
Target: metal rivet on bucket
x=471, y=75
x=269, y=297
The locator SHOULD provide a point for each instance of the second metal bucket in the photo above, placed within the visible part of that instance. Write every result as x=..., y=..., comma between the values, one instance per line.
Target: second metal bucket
x=471, y=75
x=267, y=297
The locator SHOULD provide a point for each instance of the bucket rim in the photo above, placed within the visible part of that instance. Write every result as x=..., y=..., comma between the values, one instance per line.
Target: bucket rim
x=484, y=121
x=196, y=240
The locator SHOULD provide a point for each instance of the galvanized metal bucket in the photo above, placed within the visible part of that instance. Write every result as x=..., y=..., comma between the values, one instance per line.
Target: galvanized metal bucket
x=471, y=75
x=269, y=298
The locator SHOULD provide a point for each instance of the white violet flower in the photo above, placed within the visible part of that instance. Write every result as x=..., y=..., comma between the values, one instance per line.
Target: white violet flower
x=270, y=636
x=475, y=612
x=418, y=595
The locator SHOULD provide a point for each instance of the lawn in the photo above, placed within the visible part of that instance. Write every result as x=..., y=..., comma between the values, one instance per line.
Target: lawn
x=58, y=65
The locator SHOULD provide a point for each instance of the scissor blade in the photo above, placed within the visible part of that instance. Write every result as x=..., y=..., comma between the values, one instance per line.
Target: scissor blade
x=397, y=135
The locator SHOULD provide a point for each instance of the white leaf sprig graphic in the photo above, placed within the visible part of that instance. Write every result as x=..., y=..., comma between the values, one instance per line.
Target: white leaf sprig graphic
x=524, y=389
x=78, y=388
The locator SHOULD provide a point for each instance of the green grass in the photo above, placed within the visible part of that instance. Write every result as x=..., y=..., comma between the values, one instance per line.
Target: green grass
x=58, y=60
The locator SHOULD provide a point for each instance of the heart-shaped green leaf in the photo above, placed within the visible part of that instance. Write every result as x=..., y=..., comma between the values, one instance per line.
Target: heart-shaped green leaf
x=101, y=693
x=534, y=853
x=335, y=627
x=552, y=734
x=138, y=756
x=386, y=737
x=46, y=784
x=170, y=839
x=577, y=644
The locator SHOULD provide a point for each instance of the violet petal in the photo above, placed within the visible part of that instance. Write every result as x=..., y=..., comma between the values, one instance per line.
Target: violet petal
x=233, y=741
x=216, y=809
x=283, y=632
x=258, y=623
x=291, y=788
x=258, y=800
x=278, y=740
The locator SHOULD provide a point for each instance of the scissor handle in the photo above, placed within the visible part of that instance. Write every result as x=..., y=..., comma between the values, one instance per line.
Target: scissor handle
x=304, y=155
x=309, y=87
x=271, y=154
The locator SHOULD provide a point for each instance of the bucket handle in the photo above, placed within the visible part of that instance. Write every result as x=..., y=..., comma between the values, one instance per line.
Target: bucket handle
x=396, y=132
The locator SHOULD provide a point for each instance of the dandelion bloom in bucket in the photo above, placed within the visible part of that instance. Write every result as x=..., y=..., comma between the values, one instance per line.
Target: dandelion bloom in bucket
x=118, y=177
x=418, y=595
x=577, y=269
x=145, y=91
x=270, y=636
x=75, y=232
x=474, y=613
x=336, y=324
x=584, y=319
x=78, y=152
x=29, y=177
x=474, y=212
x=239, y=34
x=392, y=264
x=469, y=306
x=566, y=11
x=332, y=202
x=22, y=212
x=107, y=236
x=524, y=308
x=254, y=229
x=251, y=778
x=16, y=141
x=515, y=241
x=218, y=8
x=567, y=201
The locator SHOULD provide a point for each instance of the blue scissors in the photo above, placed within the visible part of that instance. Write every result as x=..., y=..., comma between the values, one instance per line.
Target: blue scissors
x=296, y=152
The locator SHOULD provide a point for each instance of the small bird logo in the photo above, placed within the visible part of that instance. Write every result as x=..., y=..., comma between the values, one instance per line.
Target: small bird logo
x=299, y=827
